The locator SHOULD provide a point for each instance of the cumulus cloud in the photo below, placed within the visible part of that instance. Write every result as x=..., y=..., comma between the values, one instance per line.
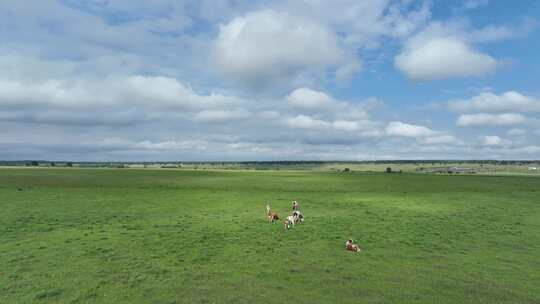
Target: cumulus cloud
x=266, y=45
x=490, y=102
x=307, y=122
x=398, y=128
x=323, y=104
x=485, y=119
x=359, y=128
x=449, y=49
x=422, y=134
x=492, y=140
x=443, y=58
x=309, y=99
x=442, y=51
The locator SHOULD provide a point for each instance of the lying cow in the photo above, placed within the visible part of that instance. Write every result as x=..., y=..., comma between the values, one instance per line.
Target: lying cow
x=352, y=247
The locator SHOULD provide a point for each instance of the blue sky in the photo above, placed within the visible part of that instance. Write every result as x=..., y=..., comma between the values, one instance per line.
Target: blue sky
x=116, y=80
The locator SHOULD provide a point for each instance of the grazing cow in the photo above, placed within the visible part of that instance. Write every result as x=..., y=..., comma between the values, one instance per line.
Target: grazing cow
x=295, y=205
x=299, y=217
x=287, y=223
x=272, y=216
x=352, y=247
x=291, y=219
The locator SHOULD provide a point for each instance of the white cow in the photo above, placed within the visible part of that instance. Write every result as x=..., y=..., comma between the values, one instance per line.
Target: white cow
x=290, y=220
x=298, y=215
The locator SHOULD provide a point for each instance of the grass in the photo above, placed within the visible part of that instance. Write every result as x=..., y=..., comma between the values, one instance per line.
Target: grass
x=179, y=236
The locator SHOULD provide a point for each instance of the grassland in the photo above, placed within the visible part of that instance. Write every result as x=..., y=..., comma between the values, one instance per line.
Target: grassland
x=182, y=236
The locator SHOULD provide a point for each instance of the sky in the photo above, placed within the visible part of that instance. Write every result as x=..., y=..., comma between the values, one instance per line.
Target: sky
x=232, y=80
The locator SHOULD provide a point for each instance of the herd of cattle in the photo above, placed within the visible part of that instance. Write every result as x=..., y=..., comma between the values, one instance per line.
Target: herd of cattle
x=297, y=217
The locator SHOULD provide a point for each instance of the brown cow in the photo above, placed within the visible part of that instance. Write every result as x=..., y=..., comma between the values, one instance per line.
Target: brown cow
x=352, y=247
x=272, y=216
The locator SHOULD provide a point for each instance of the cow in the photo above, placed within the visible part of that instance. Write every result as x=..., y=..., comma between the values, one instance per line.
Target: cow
x=287, y=224
x=271, y=215
x=289, y=221
x=299, y=217
x=352, y=247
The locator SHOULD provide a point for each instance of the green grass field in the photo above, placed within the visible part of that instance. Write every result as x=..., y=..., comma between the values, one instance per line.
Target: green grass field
x=180, y=236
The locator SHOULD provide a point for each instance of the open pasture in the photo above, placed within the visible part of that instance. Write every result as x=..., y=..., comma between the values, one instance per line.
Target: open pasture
x=180, y=236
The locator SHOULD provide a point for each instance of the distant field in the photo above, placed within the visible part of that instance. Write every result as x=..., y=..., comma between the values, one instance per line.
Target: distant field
x=484, y=169
x=424, y=167
x=406, y=167
x=200, y=236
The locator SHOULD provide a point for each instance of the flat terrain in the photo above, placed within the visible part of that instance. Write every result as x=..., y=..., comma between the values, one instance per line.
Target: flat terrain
x=181, y=236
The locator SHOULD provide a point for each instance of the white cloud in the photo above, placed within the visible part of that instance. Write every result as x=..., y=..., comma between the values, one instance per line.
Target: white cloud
x=309, y=99
x=397, y=128
x=484, y=119
x=443, y=57
x=222, y=115
x=313, y=101
x=445, y=50
x=307, y=122
x=490, y=102
x=363, y=128
x=266, y=45
x=422, y=134
x=491, y=140
x=147, y=90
